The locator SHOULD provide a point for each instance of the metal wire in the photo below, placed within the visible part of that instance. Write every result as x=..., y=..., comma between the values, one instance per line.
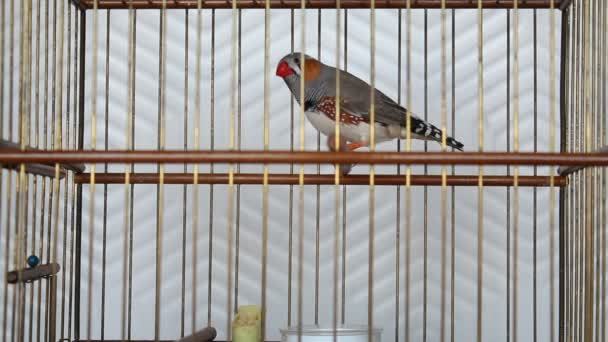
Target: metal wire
x=160, y=199
x=195, y=190
x=128, y=169
x=408, y=171
x=516, y=168
x=337, y=181
x=453, y=193
x=185, y=187
x=444, y=168
x=95, y=34
x=301, y=171
x=372, y=171
x=233, y=110
x=480, y=192
x=67, y=178
x=2, y=103
x=535, y=171
x=266, y=146
x=551, y=172
x=105, y=186
x=211, y=189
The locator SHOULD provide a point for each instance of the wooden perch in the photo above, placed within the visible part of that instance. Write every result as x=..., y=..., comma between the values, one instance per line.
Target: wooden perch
x=46, y=170
x=206, y=335
x=566, y=170
x=31, y=274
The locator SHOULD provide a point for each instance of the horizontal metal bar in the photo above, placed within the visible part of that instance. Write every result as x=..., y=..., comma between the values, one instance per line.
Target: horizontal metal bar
x=287, y=157
x=184, y=4
x=323, y=179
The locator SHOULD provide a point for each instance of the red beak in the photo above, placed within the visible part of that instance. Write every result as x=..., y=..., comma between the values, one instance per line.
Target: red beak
x=283, y=70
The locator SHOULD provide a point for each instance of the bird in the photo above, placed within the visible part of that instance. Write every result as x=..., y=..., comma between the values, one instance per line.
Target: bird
x=355, y=97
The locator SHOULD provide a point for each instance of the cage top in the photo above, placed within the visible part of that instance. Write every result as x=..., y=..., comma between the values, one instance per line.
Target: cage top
x=419, y=4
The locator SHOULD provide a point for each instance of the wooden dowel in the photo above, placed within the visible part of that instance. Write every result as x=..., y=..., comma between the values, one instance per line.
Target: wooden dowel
x=30, y=274
x=206, y=335
x=323, y=179
x=287, y=157
x=41, y=169
x=191, y=4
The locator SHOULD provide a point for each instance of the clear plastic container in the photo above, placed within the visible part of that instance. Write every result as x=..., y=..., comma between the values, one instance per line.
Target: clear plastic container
x=345, y=333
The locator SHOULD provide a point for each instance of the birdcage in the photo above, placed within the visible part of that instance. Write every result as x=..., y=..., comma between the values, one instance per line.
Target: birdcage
x=159, y=182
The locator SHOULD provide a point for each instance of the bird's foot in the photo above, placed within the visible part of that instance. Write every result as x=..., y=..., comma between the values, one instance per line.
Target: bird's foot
x=354, y=146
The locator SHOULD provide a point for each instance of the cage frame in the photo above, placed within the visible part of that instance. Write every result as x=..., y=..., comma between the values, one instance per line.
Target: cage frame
x=468, y=158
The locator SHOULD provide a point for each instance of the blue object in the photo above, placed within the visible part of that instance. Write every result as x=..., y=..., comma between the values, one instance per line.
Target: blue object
x=33, y=261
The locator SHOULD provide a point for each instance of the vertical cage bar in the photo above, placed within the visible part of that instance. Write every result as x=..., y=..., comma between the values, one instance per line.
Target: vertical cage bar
x=195, y=187
x=128, y=190
x=602, y=172
x=318, y=192
x=265, y=181
x=211, y=188
x=160, y=195
x=443, y=168
x=75, y=123
x=589, y=269
x=453, y=192
x=105, y=186
x=184, y=187
x=291, y=148
x=238, y=170
x=372, y=192
x=343, y=285
x=516, y=168
x=398, y=190
x=2, y=102
x=233, y=110
x=426, y=193
x=552, y=172
x=301, y=172
x=132, y=168
x=337, y=171
x=408, y=172
x=480, y=193
x=67, y=182
x=535, y=172
x=78, y=242
x=95, y=34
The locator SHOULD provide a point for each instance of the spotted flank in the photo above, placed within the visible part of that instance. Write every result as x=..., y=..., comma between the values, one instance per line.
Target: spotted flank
x=427, y=130
x=327, y=106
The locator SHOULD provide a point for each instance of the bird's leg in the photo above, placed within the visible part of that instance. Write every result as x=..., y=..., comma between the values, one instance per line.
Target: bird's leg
x=344, y=146
x=331, y=143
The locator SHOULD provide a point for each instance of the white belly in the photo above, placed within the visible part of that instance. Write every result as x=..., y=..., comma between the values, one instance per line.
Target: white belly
x=353, y=133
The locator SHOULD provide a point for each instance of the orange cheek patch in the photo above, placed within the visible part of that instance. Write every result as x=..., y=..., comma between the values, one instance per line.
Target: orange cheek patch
x=312, y=69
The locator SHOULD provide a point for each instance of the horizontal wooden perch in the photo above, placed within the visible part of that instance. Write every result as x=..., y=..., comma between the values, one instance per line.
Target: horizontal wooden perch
x=31, y=274
x=305, y=157
x=566, y=170
x=326, y=179
x=260, y=4
x=206, y=335
x=40, y=169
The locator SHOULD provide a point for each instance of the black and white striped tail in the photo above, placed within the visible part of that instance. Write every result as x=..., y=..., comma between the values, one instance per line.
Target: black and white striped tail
x=429, y=131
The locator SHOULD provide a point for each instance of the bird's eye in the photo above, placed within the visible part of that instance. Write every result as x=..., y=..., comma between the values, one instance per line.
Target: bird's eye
x=297, y=61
